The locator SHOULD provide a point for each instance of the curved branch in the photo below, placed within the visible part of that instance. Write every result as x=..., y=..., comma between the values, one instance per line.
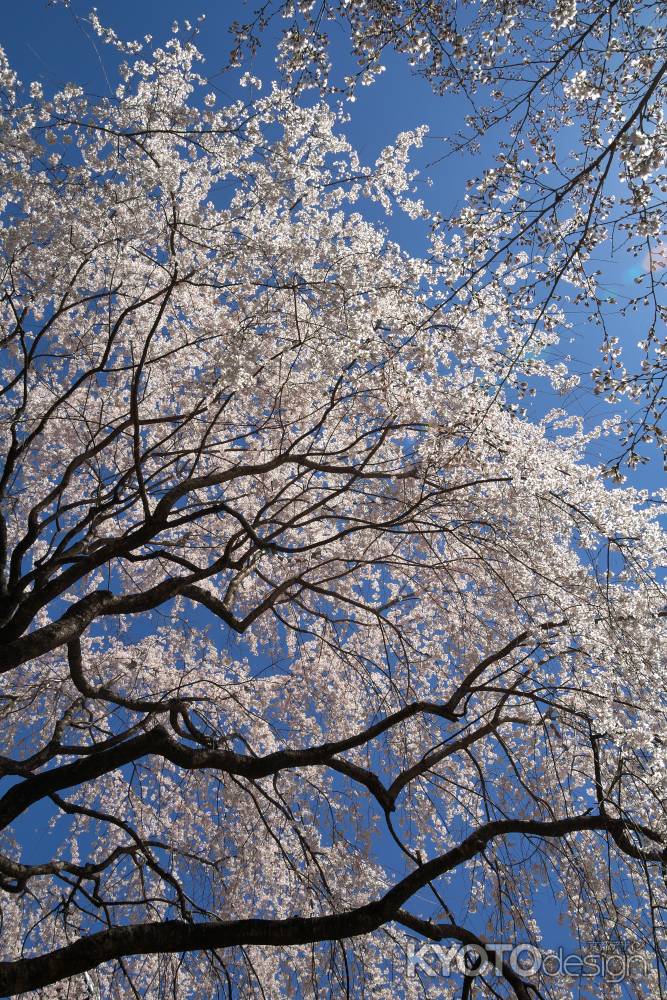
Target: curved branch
x=171, y=936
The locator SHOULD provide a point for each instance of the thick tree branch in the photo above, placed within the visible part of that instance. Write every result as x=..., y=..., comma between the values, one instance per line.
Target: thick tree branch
x=168, y=936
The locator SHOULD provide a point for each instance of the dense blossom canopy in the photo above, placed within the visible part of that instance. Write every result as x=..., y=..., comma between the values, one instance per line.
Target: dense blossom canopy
x=572, y=96
x=309, y=638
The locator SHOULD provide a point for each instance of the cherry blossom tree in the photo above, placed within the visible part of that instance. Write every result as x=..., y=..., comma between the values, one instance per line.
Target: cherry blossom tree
x=310, y=642
x=574, y=95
